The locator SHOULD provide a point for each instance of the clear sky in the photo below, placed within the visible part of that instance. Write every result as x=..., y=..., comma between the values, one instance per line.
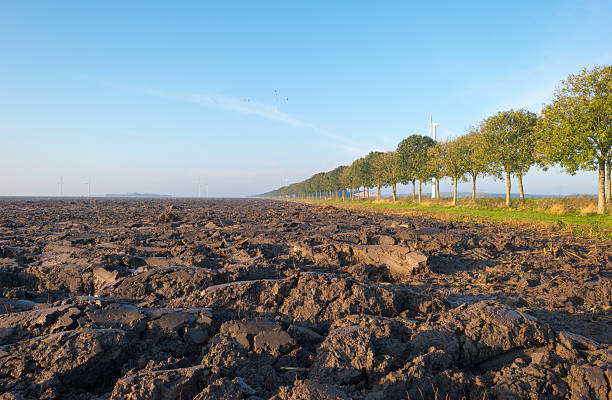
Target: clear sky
x=142, y=96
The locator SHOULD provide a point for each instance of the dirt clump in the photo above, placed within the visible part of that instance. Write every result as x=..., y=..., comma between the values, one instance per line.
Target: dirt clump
x=169, y=215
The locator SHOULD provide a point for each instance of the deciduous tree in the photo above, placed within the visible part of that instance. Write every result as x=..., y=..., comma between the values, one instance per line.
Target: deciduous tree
x=575, y=130
x=476, y=160
x=388, y=165
x=510, y=145
x=376, y=174
x=451, y=156
x=412, y=159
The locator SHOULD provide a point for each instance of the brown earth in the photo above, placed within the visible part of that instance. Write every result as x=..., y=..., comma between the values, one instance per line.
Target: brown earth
x=262, y=299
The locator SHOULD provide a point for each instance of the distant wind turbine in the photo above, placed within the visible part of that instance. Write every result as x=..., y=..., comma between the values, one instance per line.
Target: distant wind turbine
x=61, y=186
x=88, y=183
x=433, y=127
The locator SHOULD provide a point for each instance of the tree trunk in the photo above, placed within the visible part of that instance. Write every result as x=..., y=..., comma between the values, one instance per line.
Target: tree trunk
x=507, y=189
x=393, y=188
x=520, y=182
x=413, y=190
x=368, y=191
x=438, y=189
x=473, y=187
x=343, y=193
x=420, y=186
x=455, y=191
x=601, y=199
x=378, y=191
x=608, y=182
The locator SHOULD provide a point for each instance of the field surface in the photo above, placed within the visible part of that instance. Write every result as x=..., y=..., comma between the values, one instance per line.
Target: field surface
x=258, y=299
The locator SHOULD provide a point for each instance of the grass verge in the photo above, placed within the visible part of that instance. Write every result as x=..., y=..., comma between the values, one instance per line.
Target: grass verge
x=565, y=215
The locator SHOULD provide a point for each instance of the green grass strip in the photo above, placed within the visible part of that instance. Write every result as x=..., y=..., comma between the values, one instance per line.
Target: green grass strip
x=589, y=225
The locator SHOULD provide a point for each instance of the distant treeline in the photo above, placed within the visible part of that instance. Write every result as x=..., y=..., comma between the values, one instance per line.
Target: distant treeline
x=574, y=131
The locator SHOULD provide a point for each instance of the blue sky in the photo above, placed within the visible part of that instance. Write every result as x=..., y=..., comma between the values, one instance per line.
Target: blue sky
x=144, y=97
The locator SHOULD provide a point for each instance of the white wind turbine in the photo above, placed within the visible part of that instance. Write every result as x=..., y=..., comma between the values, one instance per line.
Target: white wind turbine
x=433, y=128
x=88, y=183
x=61, y=186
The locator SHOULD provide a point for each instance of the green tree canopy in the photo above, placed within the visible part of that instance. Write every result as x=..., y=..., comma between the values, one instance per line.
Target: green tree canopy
x=387, y=166
x=451, y=160
x=510, y=145
x=412, y=157
x=375, y=173
x=575, y=130
x=475, y=156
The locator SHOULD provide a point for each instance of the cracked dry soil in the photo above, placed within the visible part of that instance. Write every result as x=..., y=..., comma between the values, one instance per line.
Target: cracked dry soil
x=261, y=299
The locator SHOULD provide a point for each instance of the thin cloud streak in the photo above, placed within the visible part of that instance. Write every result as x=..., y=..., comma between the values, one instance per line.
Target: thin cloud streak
x=234, y=104
x=230, y=103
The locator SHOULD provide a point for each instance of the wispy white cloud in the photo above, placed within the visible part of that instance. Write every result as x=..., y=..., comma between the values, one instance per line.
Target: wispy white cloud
x=244, y=106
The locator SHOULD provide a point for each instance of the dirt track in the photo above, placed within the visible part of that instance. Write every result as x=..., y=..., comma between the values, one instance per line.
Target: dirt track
x=126, y=299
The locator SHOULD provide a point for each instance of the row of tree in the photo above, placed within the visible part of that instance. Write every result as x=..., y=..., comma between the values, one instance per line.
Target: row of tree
x=574, y=131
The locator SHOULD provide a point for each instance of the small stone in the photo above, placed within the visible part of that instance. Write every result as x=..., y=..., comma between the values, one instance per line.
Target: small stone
x=272, y=342
x=174, y=320
x=386, y=240
x=105, y=275
x=575, y=341
x=197, y=335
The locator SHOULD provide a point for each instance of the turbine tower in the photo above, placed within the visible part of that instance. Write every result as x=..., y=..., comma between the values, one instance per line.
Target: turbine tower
x=433, y=128
x=88, y=183
x=61, y=186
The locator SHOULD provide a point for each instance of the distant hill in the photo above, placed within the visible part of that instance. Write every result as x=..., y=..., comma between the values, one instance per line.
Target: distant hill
x=148, y=195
